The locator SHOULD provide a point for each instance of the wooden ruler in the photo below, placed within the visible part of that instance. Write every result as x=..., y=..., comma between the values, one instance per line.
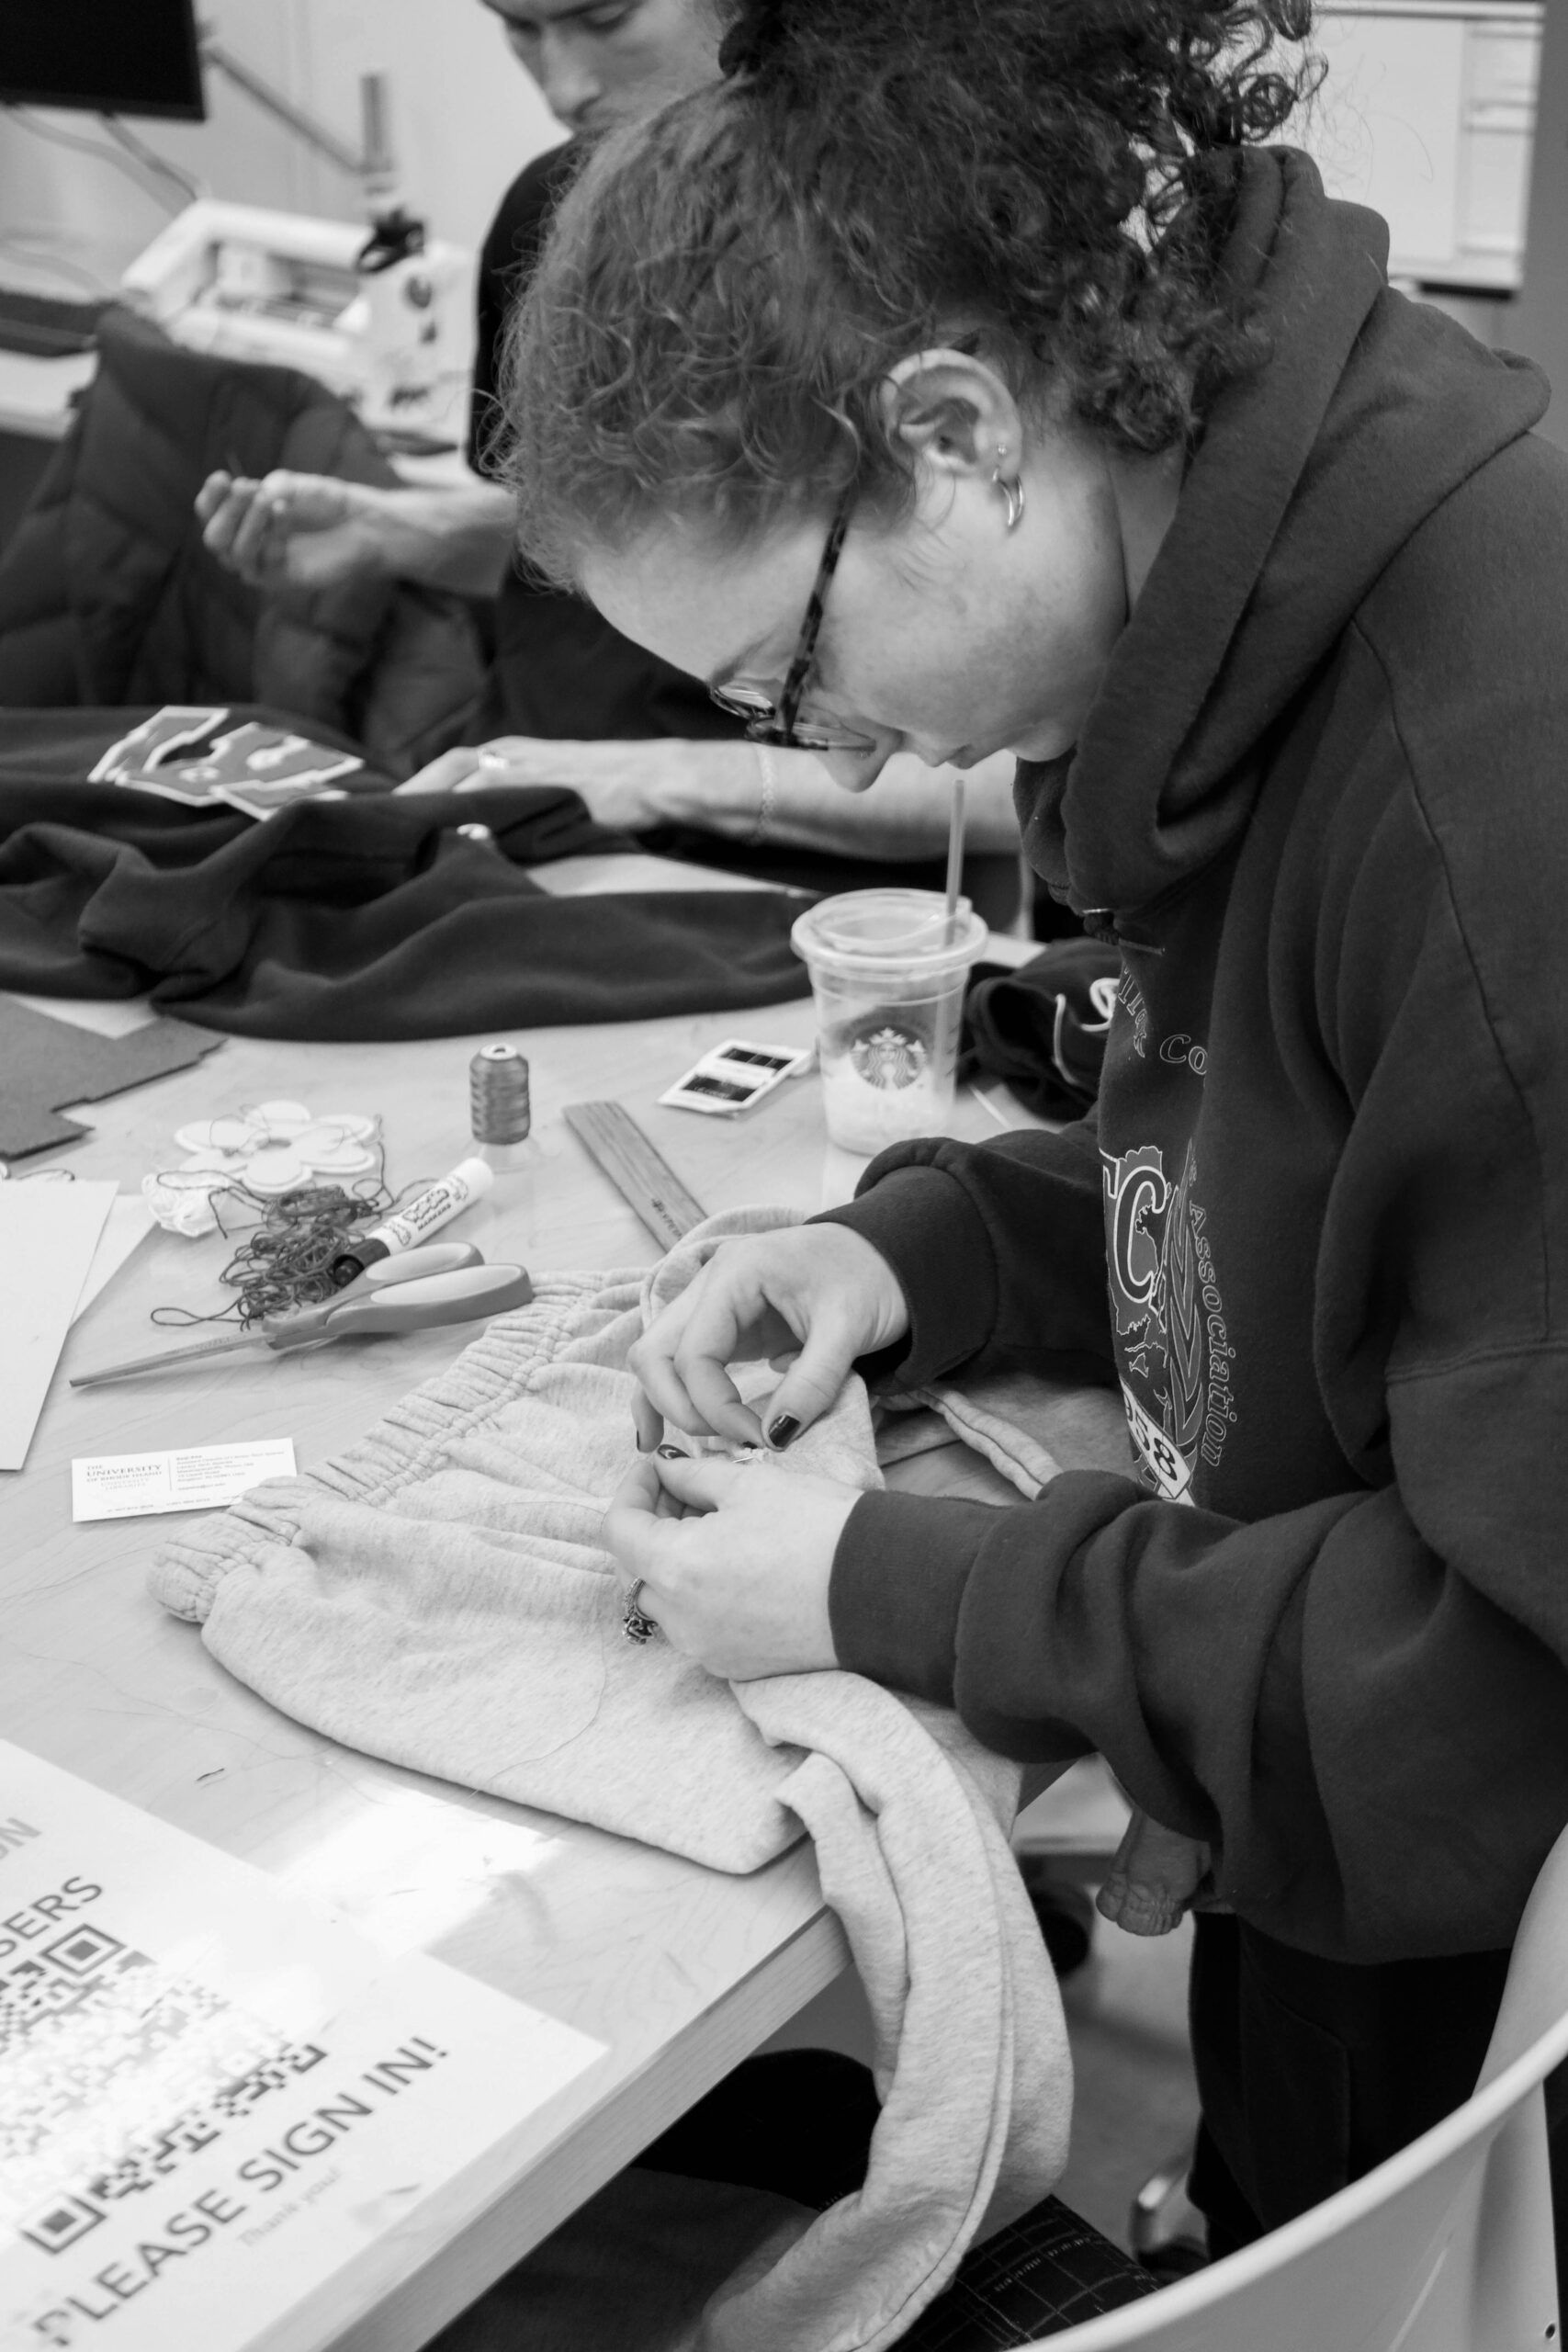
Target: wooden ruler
x=612, y=1138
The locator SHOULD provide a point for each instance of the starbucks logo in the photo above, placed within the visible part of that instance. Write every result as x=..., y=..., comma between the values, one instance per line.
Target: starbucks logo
x=890, y=1058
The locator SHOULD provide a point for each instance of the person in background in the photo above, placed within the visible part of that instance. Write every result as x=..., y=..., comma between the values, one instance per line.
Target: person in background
x=571, y=700
x=1041, y=404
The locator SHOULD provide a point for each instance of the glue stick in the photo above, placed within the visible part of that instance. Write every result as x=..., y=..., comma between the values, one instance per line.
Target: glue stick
x=415, y=1224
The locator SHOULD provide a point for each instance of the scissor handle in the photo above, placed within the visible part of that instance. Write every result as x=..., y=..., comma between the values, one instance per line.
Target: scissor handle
x=466, y=1295
x=410, y=1266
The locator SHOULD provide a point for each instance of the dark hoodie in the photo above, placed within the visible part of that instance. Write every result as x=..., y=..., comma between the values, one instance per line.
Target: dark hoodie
x=1323, y=795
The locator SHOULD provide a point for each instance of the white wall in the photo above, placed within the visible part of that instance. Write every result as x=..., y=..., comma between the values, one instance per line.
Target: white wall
x=1543, y=324
x=465, y=118
x=1427, y=114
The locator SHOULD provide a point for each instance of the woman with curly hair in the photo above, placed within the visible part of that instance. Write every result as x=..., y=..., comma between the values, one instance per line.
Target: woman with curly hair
x=967, y=375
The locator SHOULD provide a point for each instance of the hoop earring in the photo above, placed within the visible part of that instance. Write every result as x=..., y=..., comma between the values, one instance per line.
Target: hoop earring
x=1012, y=491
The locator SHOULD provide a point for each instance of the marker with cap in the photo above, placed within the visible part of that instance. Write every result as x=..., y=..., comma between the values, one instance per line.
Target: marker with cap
x=423, y=1216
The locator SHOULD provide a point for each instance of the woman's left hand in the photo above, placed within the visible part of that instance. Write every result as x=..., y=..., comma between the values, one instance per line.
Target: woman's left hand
x=740, y=1582
x=619, y=784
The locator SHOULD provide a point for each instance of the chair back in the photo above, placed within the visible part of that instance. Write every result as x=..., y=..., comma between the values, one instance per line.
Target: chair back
x=1446, y=2247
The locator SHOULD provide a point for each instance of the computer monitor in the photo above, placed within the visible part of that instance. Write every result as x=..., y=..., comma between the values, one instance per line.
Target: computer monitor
x=102, y=56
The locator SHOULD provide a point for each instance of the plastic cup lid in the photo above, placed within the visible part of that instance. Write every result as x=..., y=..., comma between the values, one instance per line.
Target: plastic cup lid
x=892, y=930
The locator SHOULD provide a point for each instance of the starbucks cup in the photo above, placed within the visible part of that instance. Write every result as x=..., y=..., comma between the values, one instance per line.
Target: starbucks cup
x=888, y=971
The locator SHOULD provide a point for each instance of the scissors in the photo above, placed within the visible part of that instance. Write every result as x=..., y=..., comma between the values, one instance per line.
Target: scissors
x=446, y=1282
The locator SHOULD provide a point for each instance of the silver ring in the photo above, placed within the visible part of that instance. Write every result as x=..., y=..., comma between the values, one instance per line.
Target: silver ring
x=635, y=1624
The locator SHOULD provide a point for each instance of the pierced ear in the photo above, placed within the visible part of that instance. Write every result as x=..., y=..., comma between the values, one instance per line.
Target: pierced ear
x=951, y=411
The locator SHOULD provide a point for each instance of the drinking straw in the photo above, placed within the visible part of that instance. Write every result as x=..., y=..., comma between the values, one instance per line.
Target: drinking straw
x=955, y=858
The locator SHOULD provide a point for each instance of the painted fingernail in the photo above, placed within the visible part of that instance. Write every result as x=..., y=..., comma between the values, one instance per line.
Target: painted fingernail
x=783, y=1431
x=672, y=1453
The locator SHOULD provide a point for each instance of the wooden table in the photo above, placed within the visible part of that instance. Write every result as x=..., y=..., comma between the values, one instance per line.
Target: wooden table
x=681, y=1971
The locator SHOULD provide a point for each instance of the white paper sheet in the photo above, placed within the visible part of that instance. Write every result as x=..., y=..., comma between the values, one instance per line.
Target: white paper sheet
x=129, y=1221
x=213, y=2093
x=105, y=1016
x=49, y=1233
x=198, y=1477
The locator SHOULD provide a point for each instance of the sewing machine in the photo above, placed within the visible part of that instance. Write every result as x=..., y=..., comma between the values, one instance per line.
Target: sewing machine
x=381, y=315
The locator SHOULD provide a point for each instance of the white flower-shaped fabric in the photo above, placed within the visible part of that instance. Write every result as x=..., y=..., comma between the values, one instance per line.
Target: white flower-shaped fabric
x=272, y=1149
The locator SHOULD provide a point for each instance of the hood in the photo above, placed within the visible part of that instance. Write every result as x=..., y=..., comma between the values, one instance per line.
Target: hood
x=1311, y=474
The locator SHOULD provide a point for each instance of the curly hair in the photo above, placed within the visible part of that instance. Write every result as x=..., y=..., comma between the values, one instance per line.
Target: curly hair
x=726, y=285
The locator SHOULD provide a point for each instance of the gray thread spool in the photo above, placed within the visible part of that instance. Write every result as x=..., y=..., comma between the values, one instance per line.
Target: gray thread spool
x=499, y=1110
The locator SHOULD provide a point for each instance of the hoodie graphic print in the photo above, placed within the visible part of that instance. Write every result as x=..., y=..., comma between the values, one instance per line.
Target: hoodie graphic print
x=1166, y=1309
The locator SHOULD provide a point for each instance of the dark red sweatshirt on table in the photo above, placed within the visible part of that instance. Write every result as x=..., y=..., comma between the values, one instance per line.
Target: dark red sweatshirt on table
x=1323, y=1621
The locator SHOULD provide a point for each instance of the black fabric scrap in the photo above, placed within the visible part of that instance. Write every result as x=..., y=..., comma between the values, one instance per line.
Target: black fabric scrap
x=1039, y=1029
x=369, y=917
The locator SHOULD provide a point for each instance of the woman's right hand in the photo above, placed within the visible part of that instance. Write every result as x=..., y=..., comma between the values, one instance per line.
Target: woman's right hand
x=815, y=1296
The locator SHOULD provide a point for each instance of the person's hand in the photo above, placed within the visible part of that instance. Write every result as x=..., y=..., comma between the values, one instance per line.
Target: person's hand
x=292, y=530
x=618, y=783
x=742, y=1582
x=458, y=770
x=817, y=1295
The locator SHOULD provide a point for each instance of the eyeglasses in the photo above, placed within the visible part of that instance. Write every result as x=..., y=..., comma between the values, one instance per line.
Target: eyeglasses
x=780, y=723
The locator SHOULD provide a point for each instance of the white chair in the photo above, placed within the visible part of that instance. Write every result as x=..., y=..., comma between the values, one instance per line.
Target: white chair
x=1447, y=2247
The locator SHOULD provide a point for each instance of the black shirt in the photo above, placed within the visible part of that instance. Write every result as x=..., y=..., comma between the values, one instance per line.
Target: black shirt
x=560, y=669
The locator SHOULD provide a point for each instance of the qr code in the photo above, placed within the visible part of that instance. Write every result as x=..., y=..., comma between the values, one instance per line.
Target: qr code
x=94, y=2038
x=59, y=1980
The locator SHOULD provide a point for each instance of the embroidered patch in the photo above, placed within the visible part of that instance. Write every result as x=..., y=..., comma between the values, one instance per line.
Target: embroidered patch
x=180, y=755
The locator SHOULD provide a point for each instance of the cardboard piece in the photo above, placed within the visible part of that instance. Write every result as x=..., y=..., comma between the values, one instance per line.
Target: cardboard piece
x=44, y=1063
x=48, y=1237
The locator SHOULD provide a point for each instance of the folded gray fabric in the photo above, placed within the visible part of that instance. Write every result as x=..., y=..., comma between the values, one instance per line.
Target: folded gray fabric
x=1025, y=1429
x=1025, y=1426
x=437, y=1596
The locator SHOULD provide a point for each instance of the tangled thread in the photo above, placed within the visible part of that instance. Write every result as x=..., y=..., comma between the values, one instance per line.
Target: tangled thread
x=284, y=1261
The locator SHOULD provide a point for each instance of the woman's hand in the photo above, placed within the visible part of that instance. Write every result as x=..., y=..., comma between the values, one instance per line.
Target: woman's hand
x=742, y=1582
x=629, y=787
x=611, y=779
x=815, y=1295
x=458, y=770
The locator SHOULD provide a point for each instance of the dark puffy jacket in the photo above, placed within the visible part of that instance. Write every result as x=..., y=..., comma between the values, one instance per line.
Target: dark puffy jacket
x=107, y=596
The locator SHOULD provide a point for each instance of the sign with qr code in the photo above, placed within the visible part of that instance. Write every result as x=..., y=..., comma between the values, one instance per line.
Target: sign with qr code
x=212, y=2093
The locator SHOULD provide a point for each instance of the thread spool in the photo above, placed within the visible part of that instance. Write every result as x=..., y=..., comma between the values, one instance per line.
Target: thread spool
x=499, y=1110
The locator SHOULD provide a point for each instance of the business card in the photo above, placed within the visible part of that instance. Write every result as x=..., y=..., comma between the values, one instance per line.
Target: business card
x=197, y=1477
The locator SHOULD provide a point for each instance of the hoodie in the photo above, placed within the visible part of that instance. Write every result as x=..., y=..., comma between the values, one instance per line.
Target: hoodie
x=1318, y=1231
x=131, y=862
